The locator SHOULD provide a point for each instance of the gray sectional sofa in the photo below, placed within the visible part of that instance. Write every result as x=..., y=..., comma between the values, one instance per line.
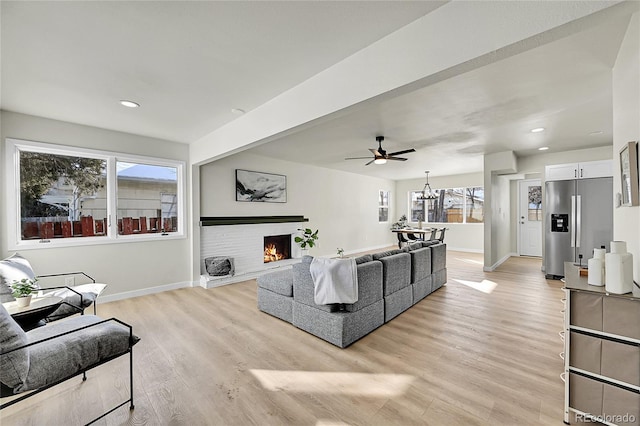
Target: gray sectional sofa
x=389, y=283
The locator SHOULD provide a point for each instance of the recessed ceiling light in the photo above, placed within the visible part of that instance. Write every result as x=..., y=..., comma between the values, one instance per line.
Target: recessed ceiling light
x=238, y=111
x=597, y=132
x=543, y=148
x=537, y=130
x=129, y=104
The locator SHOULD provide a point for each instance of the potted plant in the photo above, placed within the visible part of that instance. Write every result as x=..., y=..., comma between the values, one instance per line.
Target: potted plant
x=23, y=289
x=307, y=239
x=401, y=223
x=340, y=252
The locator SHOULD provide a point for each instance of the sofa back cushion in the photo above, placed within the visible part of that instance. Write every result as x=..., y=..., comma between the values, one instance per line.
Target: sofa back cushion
x=14, y=366
x=438, y=257
x=420, y=264
x=303, y=289
x=381, y=254
x=396, y=272
x=369, y=285
x=415, y=246
x=364, y=259
x=13, y=268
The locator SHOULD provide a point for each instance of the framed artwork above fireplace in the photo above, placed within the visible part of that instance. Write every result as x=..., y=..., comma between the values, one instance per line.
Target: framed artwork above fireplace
x=260, y=187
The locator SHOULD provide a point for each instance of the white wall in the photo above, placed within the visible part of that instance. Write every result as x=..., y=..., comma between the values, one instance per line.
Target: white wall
x=497, y=204
x=343, y=206
x=626, y=128
x=460, y=236
x=125, y=267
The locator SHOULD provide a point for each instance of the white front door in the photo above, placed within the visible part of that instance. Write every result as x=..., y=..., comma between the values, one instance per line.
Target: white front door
x=530, y=217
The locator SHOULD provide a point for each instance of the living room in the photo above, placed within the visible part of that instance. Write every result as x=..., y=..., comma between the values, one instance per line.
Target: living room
x=341, y=203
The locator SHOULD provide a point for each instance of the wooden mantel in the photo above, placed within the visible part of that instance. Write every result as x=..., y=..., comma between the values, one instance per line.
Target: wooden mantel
x=245, y=220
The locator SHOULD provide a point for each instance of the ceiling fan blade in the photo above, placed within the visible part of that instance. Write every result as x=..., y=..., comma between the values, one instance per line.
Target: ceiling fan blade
x=358, y=158
x=375, y=152
x=370, y=162
x=396, y=159
x=406, y=151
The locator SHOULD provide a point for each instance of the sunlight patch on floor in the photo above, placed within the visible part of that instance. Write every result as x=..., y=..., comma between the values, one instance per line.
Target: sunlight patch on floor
x=475, y=262
x=484, y=286
x=322, y=422
x=344, y=383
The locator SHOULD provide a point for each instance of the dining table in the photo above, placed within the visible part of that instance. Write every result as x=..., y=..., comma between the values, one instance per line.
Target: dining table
x=408, y=235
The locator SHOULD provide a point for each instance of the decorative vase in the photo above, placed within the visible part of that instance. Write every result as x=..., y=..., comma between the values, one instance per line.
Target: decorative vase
x=619, y=269
x=24, y=301
x=596, y=274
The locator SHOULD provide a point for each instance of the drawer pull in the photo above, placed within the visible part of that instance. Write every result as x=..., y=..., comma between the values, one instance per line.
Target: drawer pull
x=561, y=334
x=562, y=377
x=561, y=355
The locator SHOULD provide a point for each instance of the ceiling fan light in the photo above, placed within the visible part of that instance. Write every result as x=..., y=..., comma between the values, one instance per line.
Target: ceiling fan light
x=380, y=161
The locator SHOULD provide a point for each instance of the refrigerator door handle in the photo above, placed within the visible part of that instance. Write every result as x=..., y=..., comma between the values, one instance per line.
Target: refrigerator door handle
x=572, y=222
x=578, y=219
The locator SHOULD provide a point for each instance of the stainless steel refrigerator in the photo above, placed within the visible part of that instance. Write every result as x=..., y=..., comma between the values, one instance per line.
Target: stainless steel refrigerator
x=579, y=218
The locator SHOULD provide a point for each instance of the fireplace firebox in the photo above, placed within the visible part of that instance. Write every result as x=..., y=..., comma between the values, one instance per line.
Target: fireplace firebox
x=277, y=247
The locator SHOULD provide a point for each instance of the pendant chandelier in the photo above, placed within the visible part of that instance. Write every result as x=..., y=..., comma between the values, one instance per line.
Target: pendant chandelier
x=427, y=193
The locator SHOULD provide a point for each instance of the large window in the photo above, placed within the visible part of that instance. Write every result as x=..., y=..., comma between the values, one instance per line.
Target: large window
x=451, y=205
x=61, y=196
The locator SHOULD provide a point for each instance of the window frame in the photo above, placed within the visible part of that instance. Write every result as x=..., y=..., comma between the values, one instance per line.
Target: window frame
x=12, y=173
x=382, y=205
x=426, y=213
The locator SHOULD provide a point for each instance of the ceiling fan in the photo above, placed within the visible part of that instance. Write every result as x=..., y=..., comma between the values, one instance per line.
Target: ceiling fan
x=380, y=156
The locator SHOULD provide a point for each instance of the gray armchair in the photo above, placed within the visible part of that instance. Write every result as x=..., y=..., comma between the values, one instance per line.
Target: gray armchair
x=34, y=361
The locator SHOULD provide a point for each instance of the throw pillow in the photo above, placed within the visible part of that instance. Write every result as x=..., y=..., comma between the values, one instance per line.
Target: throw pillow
x=14, y=366
x=13, y=268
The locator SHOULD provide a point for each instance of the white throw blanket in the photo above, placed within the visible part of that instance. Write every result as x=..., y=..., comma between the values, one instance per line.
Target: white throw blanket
x=334, y=280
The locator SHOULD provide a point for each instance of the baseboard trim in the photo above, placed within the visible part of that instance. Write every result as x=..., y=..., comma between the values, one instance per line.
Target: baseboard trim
x=465, y=250
x=143, y=292
x=498, y=263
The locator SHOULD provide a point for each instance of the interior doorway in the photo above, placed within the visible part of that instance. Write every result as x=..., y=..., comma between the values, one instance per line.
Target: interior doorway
x=530, y=217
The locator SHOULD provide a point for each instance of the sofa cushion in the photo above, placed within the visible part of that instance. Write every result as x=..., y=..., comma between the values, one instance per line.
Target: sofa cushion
x=303, y=289
x=280, y=282
x=430, y=243
x=396, y=272
x=415, y=246
x=438, y=257
x=420, y=264
x=380, y=255
x=369, y=285
x=14, y=366
x=13, y=268
x=364, y=259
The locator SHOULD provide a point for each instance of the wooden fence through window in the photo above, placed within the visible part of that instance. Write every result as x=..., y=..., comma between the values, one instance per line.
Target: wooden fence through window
x=87, y=226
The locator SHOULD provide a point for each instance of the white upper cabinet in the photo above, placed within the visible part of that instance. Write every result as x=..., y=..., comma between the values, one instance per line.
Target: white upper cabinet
x=587, y=170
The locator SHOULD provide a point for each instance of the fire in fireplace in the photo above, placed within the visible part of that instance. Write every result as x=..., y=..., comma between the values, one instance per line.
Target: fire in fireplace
x=277, y=247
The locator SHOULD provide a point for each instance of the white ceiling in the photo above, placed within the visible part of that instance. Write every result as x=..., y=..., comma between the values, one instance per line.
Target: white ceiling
x=189, y=63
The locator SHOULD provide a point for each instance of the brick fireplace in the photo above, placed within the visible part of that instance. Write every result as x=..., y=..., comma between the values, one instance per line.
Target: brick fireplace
x=246, y=244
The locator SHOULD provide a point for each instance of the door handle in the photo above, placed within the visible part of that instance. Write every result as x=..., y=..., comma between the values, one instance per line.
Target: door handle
x=572, y=222
x=578, y=219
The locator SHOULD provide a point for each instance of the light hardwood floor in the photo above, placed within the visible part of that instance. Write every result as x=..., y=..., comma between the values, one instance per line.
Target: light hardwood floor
x=209, y=357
